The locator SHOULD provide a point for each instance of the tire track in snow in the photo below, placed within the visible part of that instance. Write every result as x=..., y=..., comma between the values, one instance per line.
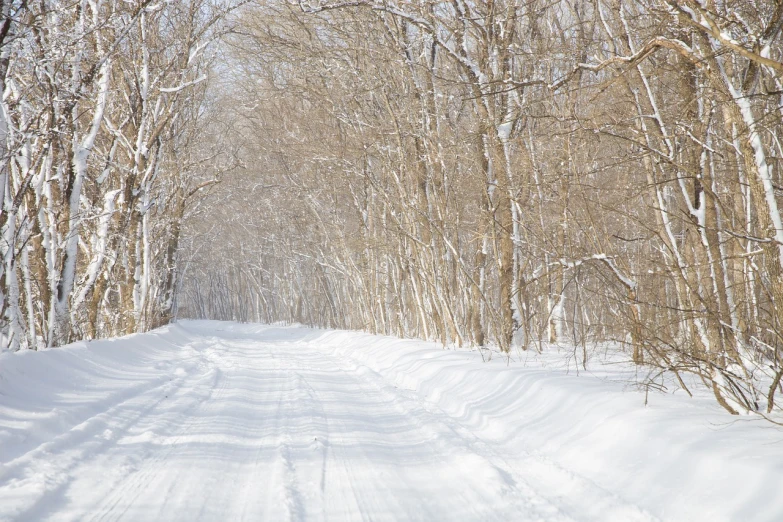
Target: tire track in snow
x=320, y=439
x=301, y=402
x=271, y=491
x=133, y=485
x=161, y=478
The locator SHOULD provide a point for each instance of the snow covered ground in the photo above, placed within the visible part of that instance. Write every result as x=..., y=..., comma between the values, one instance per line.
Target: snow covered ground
x=226, y=422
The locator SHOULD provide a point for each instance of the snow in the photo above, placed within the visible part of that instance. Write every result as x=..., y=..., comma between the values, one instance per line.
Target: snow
x=220, y=421
x=504, y=130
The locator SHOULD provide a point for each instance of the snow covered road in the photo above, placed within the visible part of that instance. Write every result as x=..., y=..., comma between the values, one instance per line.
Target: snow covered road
x=201, y=423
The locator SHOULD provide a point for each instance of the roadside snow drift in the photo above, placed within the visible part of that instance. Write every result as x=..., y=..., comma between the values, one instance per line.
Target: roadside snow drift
x=226, y=422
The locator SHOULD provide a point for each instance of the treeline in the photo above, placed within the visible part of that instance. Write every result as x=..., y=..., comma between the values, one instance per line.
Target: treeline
x=102, y=150
x=514, y=172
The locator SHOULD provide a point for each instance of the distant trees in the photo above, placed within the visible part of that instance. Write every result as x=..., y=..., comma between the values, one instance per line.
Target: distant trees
x=512, y=171
x=103, y=101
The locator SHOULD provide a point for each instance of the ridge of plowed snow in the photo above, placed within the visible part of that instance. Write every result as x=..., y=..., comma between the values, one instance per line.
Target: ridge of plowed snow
x=219, y=421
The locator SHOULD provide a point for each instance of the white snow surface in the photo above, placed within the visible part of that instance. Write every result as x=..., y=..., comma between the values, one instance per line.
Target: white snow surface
x=203, y=421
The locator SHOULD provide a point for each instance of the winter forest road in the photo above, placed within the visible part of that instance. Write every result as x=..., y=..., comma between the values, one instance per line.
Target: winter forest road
x=271, y=426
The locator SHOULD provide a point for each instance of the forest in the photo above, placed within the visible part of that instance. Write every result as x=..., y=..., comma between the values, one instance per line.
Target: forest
x=516, y=174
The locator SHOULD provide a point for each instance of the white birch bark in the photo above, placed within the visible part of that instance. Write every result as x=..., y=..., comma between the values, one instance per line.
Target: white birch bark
x=82, y=148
